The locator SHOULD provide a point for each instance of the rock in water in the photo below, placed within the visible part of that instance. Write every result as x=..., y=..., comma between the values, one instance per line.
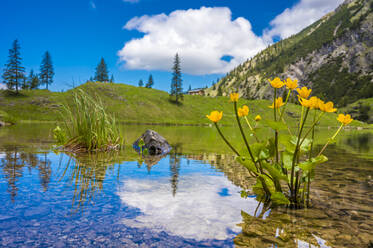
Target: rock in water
x=155, y=143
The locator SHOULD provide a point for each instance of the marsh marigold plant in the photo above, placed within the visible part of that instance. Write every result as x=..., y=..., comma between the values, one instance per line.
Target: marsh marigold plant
x=284, y=164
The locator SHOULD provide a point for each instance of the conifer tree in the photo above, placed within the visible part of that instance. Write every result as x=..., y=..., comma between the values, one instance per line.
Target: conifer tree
x=176, y=83
x=141, y=83
x=150, y=82
x=46, y=70
x=14, y=72
x=33, y=80
x=190, y=87
x=102, y=73
x=112, y=78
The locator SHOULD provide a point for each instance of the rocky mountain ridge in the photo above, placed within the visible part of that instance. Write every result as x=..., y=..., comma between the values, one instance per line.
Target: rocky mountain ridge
x=333, y=56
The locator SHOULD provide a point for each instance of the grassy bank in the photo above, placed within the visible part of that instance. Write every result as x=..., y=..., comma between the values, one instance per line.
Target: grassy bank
x=132, y=104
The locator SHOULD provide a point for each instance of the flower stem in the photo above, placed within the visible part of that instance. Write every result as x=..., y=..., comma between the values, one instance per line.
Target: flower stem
x=242, y=133
x=226, y=141
x=327, y=143
x=276, y=132
x=248, y=123
x=292, y=189
x=286, y=101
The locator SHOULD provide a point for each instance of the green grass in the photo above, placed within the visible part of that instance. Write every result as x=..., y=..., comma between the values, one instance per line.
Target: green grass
x=88, y=125
x=132, y=104
x=355, y=109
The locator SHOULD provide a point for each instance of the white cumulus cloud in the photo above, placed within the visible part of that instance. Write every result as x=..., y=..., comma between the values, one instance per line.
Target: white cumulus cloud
x=294, y=19
x=2, y=86
x=200, y=36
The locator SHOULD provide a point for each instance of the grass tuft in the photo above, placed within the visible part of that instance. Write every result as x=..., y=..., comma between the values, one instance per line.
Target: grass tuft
x=88, y=126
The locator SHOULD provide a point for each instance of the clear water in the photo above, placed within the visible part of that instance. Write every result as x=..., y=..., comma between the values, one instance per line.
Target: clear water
x=190, y=198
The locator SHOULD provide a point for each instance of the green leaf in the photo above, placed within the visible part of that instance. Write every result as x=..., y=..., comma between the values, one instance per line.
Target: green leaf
x=271, y=146
x=275, y=125
x=286, y=140
x=279, y=198
x=274, y=171
x=141, y=143
x=248, y=163
x=306, y=145
x=287, y=159
x=311, y=164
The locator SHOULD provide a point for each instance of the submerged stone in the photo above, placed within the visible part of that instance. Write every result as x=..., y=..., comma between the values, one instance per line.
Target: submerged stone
x=154, y=142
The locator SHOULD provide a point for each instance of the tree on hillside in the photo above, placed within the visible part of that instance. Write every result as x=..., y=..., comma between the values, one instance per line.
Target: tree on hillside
x=141, y=83
x=46, y=70
x=33, y=80
x=14, y=72
x=190, y=87
x=176, y=82
x=150, y=82
x=24, y=84
x=112, y=78
x=102, y=73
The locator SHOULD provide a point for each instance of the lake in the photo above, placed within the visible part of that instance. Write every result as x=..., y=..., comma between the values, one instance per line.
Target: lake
x=189, y=198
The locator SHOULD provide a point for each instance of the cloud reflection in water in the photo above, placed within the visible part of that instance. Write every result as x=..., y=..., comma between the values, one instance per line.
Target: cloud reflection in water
x=199, y=210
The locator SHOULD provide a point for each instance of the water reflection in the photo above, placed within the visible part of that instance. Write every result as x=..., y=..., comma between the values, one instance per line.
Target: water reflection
x=198, y=211
x=87, y=172
x=189, y=198
x=13, y=161
x=361, y=142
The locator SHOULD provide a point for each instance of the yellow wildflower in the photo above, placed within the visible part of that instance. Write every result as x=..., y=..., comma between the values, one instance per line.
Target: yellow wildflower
x=234, y=97
x=344, y=119
x=278, y=103
x=215, y=116
x=291, y=84
x=258, y=118
x=277, y=83
x=304, y=92
x=320, y=103
x=327, y=107
x=313, y=102
x=244, y=111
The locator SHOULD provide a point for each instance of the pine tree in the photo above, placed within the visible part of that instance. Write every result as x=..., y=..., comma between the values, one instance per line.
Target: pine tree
x=14, y=72
x=112, y=78
x=190, y=87
x=102, y=73
x=150, y=82
x=141, y=83
x=33, y=80
x=25, y=84
x=176, y=83
x=46, y=70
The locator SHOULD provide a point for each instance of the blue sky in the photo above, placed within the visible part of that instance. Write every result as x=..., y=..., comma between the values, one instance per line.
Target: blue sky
x=137, y=38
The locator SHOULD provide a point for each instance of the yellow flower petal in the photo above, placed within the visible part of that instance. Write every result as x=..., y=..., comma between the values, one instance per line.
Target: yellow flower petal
x=277, y=104
x=244, y=111
x=258, y=118
x=215, y=116
x=344, y=119
x=276, y=83
x=304, y=92
x=327, y=107
x=234, y=97
x=291, y=84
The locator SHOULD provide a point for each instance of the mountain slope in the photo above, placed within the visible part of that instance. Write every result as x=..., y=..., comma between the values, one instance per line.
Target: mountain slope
x=333, y=56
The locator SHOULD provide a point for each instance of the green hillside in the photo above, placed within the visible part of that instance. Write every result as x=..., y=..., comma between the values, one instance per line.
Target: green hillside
x=133, y=104
x=333, y=56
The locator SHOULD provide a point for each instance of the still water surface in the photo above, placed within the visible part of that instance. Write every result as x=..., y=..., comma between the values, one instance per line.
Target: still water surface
x=189, y=198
